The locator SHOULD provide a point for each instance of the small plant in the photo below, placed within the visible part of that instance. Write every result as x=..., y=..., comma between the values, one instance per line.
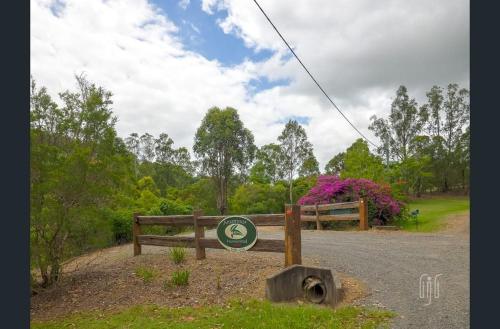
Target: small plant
x=180, y=278
x=177, y=254
x=145, y=273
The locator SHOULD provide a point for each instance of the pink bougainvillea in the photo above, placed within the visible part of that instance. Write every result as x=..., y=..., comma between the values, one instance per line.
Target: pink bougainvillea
x=330, y=189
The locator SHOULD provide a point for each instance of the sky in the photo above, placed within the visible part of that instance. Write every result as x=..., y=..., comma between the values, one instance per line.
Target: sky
x=168, y=62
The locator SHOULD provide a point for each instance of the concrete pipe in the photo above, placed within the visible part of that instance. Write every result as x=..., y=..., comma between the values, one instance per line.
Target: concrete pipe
x=314, y=289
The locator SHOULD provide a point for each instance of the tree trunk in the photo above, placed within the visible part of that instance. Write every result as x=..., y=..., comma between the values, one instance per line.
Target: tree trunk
x=291, y=197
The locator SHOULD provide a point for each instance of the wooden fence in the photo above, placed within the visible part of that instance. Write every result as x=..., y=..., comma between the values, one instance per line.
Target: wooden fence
x=315, y=213
x=291, y=245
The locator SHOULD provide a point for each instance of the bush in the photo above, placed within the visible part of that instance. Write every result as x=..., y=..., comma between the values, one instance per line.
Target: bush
x=382, y=206
x=180, y=278
x=121, y=221
x=177, y=254
x=145, y=273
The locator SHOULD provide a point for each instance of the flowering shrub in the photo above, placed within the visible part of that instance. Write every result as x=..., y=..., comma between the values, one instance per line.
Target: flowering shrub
x=330, y=189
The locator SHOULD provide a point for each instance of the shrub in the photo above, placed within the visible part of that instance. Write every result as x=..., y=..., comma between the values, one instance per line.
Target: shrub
x=121, y=221
x=145, y=273
x=177, y=254
x=180, y=278
x=382, y=206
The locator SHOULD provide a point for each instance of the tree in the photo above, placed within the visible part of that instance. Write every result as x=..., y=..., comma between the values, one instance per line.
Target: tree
x=266, y=168
x=224, y=147
x=404, y=123
x=335, y=165
x=164, y=151
x=447, y=118
x=310, y=167
x=182, y=158
x=258, y=198
x=78, y=169
x=295, y=149
x=360, y=163
x=147, y=143
x=133, y=144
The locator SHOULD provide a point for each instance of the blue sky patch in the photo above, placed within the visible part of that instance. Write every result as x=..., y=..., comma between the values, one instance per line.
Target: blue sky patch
x=263, y=83
x=200, y=33
x=303, y=120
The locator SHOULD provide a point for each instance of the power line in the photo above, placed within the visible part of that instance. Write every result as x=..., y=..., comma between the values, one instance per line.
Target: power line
x=316, y=82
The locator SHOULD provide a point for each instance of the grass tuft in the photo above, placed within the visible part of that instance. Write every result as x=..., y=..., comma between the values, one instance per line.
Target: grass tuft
x=180, y=278
x=147, y=274
x=177, y=254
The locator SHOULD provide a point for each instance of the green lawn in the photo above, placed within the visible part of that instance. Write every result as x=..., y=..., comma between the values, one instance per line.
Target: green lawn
x=252, y=314
x=434, y=211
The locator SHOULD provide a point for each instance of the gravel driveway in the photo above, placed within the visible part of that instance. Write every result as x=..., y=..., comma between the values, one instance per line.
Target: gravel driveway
x=391, y=264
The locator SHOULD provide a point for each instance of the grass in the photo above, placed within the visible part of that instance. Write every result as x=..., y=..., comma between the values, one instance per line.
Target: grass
x=434, y=211
x=180, y=278
x=145, y=273
x=249, y=314
x=177, y=254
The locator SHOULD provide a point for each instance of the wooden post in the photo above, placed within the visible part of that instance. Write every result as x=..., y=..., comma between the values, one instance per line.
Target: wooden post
x=136, y=230
x=318, y=224
x=293, y=249
x=199, y=232
x=363, y=213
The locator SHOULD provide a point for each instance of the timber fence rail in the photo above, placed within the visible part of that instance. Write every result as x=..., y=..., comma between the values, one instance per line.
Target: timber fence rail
x=290, y=245
x=315, y=213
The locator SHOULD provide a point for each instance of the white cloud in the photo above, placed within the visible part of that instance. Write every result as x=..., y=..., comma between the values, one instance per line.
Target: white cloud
x=184, y=3
x=359, y=50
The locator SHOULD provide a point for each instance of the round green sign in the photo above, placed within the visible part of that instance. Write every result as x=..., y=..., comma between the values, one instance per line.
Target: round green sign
x=236, y=233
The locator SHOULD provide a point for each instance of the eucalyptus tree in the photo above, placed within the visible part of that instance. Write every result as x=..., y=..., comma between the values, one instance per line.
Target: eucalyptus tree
x=266, y=168
x=224, y=147
x=396, y=133
x=335, y=165
x=147, y=142
x=164, y=152
x=295, y=149
x=310, y=166
x=448, y=118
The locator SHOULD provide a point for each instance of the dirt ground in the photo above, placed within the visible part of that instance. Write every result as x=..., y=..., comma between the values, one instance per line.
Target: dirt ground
x=457, y=224
x=107, y=281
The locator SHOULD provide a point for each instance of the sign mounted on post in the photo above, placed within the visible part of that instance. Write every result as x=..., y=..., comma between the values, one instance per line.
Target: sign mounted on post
x=236, y=233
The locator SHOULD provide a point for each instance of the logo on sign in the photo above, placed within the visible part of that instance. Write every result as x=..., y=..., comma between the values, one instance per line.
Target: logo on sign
x=236, y=233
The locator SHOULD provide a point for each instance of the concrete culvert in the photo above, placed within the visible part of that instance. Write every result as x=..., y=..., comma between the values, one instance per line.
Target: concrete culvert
x=314, y=289
x=315, y=284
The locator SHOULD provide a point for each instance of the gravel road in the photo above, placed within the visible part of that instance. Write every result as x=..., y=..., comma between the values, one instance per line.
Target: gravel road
x=391, y=264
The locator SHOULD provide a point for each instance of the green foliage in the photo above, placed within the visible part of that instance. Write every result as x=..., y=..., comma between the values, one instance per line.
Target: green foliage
x=335, y=165
x=258, y=198
x=177, y=254
x=180, y=278
x=360, y=163
x=121, y=221
x=238, y=314
x=428, y=147
x=295, y=149
x=78, y=170
x=147, y=274
x=224, y=147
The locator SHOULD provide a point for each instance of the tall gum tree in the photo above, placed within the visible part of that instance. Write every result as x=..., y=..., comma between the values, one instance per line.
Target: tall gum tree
x=224, y=147
x=295, y=149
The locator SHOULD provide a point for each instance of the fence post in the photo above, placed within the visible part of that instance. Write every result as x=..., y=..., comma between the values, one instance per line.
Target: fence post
x=293, y=247
x=136, y=230
x=318, y=224
x=199, y=232
x=363, y=213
